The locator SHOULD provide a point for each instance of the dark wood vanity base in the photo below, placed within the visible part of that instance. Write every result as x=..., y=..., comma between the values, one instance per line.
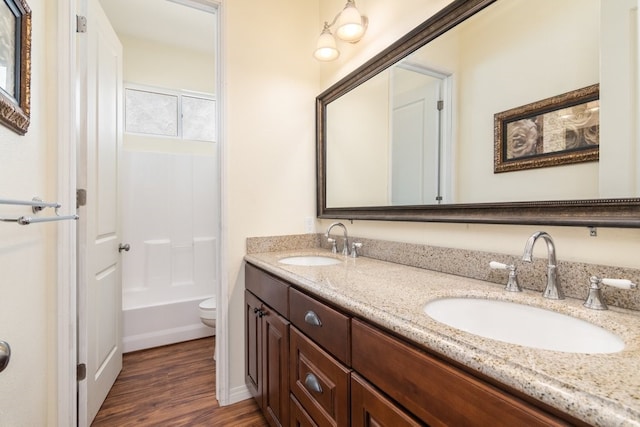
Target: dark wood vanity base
x=312, y=364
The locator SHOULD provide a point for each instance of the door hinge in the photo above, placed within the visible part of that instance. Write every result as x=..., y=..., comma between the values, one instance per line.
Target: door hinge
x=440, y=105
x=81, y=372
x=81, y=24
x=81, y=197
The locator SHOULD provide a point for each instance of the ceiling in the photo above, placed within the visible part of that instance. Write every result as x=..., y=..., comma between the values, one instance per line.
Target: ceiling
x=164, y=21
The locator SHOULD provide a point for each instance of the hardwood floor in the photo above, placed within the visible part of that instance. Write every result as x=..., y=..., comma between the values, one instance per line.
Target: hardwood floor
x=172, y=386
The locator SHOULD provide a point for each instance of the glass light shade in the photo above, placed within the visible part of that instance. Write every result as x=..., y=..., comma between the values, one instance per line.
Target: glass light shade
x=326, y=48
x=350, y=26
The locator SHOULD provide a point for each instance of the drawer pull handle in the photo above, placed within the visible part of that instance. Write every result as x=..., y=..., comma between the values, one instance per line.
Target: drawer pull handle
x=312, y=383
x=311, y=318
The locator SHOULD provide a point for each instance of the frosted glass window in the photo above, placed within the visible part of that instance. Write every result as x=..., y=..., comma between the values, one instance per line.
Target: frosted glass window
x=151, y=113
x=170, y=113
x=198, y=118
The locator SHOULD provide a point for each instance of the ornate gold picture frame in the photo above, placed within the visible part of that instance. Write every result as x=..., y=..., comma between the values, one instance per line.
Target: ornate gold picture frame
x=15, y=65
x=556, y=131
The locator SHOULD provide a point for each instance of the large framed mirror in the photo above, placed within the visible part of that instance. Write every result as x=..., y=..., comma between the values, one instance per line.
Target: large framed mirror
x=409, y=136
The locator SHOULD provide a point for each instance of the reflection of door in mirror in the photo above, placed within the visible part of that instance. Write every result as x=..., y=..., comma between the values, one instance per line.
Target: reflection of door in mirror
x=386, y=138
x=417, y=117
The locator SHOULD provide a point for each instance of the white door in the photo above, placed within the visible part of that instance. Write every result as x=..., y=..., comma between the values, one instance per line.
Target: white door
x=415, y=139
x=99, y=276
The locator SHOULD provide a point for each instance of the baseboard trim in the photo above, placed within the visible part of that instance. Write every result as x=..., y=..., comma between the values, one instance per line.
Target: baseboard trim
x=238, y=394
x=165, y=337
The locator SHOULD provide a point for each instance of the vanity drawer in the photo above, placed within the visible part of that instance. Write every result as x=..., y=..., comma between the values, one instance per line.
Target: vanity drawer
x=269, y=289
x=370, y=408
x=298, y=416
x=437, y=393
x=318, y=381
x=322, y=324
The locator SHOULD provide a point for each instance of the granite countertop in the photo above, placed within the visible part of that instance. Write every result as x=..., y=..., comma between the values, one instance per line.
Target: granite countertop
x=601, y=389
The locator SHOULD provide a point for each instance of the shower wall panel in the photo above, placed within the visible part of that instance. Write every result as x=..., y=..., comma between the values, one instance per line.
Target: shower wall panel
x=168, y=217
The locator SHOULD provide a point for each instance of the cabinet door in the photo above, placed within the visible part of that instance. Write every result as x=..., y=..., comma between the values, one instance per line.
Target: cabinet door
x=275, y=367
x=319, y=382
x=434, y=390
x=253, y=346
x=299, y=417
x=369, y=408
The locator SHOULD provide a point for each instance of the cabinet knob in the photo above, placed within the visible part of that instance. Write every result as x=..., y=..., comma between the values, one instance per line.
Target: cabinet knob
x=5, y=355
x=312, y=318
x=312, y=383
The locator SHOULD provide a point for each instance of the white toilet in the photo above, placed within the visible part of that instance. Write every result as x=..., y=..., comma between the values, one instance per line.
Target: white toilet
x=207, y=310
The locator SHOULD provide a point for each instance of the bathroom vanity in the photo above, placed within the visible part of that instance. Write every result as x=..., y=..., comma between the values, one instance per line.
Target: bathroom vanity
x=349, y=344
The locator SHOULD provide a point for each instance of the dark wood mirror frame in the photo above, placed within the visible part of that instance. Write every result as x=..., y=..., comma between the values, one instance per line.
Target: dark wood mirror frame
x=15, y=110
x=587, y=213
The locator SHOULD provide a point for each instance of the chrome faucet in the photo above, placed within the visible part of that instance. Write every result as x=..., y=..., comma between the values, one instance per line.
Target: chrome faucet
x=345, y=243
x=553, y=290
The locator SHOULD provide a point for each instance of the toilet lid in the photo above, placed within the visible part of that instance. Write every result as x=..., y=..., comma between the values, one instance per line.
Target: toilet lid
x=208, y=303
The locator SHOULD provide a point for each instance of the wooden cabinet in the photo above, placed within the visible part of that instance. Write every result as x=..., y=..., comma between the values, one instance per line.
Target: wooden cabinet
x=325, y=326
x=253, y=345
x=271, y=290
x=267, y=350
x=328, y=368
x=435, y=391
x=319, y=382
x=370, y=408
x=299, y=417
x=275, y=367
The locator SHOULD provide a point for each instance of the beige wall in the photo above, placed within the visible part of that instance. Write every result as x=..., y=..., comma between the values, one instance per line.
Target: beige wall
x=359, y=148
x=271, y=82
x=619, y=30
x=27, y=257
x=514, y=73
x=156, y=64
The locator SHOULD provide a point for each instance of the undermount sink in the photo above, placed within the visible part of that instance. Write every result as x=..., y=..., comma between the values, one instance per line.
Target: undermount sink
x=310, y=260
x=523, y=325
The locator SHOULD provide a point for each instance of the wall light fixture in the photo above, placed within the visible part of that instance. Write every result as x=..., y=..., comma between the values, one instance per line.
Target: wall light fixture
x=350, y=27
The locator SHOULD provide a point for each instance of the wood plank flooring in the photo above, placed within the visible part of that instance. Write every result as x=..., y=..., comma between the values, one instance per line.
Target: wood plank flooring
x=172, y=386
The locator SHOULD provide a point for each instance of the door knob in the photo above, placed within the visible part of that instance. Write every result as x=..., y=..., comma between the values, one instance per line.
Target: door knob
x=5, y=355
x=124, y=247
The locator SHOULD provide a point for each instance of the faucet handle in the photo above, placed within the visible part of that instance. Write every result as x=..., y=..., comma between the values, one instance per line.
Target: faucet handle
x=512, y=282
x=332, y=242
x=594, y=298
x=355, y=246
x=619, y=283
x=499, y=266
